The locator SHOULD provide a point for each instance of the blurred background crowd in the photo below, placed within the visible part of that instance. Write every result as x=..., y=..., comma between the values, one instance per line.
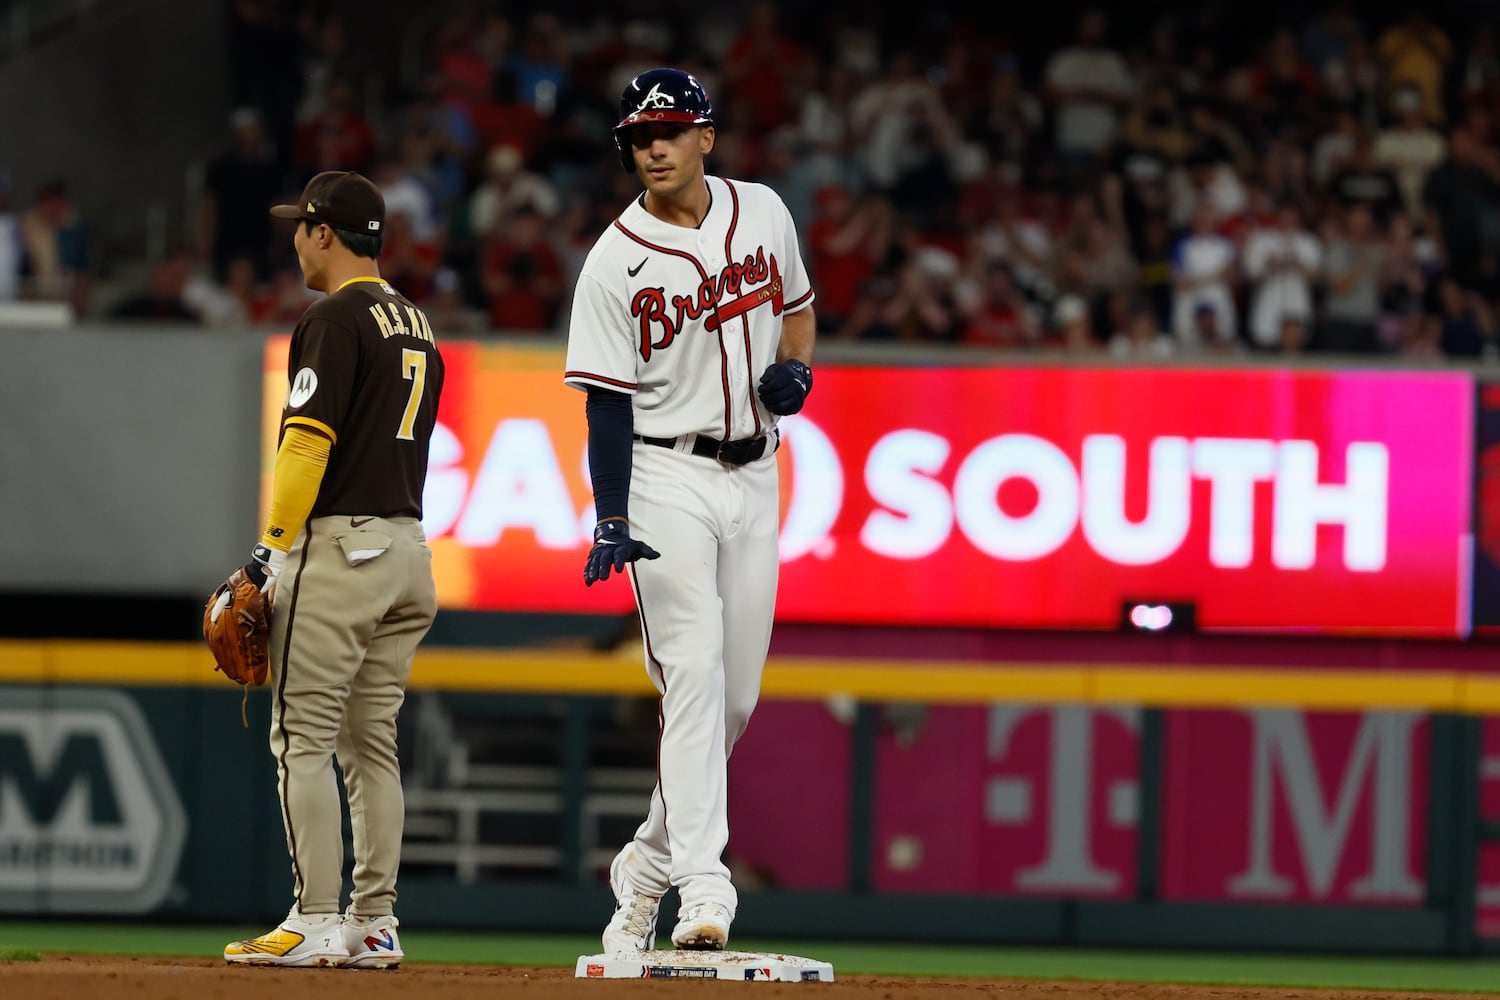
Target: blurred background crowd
x=1151, y=184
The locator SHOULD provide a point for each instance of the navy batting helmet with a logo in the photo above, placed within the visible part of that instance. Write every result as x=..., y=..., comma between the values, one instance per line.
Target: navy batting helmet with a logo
x=660, y=95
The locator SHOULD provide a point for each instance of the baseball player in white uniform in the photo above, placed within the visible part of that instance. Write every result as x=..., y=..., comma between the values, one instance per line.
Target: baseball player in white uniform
x=692, y=331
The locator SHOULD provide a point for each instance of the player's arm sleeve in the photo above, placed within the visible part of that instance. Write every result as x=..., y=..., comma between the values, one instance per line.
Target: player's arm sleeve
x=611, y=427
x=601, y=351
x=300, y=463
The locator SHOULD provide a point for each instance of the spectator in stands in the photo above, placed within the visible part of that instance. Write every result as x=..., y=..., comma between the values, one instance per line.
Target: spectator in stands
x=538, y=68
x=1009, y=123
x=161, y=300
x=225, y=304
x=58, y=247
x=793, y=175
x=1073, y=325
x=447, y=310
x=1203, y=267
x=957, y=134
x=1088, y=85
x=507, y=188
x=408, y=196
x=764, y=67
x=1204, y=181
x=1157, y=268
x=1363, y=180
x=282, y=301
x=326, y=56
x=908, y=137
x=504, y=117
x=847, y=240
x=1462, y=198
x=1328, y=36
x=339, y=137
x=1281, y=263
x=1414, y=53
x=918, y=305
x=1464, y=323
x=239, y=186
x=997, y=315
x=1283, y=88
x=1158, y=127
x=263, y=54
x=1409, y=147
x=410, y=260
x=1409, y=262
x=1475, y=79
x=825, y=121
x=1142, y=338
x=1353, y=269
x=523, y=275
x=1020, y=239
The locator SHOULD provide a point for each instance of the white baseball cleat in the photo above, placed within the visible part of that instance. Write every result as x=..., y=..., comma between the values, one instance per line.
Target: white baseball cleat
x=372, y=942
x=702, y=927
x=302, y=940
x=633, y=926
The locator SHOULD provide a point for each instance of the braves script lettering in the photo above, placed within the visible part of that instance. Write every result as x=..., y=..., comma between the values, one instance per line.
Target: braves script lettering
x=659, y=326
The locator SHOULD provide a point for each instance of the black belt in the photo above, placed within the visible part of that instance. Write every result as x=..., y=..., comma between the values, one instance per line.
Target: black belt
x=739, y=452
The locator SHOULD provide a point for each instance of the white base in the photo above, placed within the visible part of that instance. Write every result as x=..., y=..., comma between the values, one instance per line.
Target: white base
x=744, y=966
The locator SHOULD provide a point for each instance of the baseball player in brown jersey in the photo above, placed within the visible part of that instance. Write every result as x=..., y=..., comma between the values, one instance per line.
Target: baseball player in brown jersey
x=352, y=576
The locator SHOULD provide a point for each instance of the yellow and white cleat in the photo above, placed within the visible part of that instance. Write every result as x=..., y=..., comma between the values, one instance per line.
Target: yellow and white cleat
x=301, y=941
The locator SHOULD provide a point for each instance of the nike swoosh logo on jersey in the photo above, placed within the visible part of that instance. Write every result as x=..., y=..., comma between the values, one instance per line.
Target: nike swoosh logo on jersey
x=637, y=269
x=355, y=522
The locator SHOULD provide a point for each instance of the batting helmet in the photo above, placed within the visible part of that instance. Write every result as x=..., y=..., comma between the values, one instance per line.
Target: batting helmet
x=660, y=95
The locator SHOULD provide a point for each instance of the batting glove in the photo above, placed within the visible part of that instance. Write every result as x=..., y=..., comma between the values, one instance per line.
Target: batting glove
x=264, y=566
x=613, y=546
x=784, y=386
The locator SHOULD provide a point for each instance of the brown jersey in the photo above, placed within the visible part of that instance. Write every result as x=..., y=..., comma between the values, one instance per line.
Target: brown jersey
x=364, y=369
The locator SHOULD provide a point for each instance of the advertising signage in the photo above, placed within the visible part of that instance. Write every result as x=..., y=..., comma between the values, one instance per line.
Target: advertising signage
x=1265, y=499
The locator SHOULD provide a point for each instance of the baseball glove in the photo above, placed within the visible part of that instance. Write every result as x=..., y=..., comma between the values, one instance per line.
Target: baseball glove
x=237, y=628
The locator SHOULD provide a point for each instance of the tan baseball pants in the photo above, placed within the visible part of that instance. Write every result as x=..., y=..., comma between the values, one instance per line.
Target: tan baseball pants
x=354, y=600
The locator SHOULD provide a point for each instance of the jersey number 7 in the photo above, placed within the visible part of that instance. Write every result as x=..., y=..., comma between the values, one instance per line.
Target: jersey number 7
x=413, y=367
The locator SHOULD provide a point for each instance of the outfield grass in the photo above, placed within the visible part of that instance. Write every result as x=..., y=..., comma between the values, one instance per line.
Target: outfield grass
x=1424, y=974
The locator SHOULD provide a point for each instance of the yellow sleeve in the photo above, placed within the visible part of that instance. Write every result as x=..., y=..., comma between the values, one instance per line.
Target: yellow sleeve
x=300, y=462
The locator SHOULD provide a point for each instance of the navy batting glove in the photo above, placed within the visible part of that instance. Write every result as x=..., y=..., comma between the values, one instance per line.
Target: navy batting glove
x=613, y=546
x=784, y=386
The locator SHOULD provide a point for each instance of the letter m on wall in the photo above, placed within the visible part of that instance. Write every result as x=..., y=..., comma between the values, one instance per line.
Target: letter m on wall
x=43, y=784
x=1336, y=811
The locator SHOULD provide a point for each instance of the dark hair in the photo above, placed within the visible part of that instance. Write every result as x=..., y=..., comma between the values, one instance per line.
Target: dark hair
x=359, y=244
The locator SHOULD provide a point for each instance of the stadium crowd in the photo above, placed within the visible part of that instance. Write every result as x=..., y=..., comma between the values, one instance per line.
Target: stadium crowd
x=1331, y=186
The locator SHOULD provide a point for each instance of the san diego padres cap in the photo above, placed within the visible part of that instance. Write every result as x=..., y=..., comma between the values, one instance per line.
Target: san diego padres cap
x=341, y=198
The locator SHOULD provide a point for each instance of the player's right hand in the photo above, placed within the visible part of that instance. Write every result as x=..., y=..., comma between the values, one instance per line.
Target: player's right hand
x=613, y=546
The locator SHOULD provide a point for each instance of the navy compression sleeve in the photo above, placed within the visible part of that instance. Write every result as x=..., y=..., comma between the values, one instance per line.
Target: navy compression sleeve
x=611, y=424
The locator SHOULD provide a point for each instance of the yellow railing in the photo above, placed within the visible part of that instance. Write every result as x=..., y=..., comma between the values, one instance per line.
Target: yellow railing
x=573, y=672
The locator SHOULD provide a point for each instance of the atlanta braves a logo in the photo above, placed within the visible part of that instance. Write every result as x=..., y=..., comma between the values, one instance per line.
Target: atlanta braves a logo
x=659, y=326
x=656, y=99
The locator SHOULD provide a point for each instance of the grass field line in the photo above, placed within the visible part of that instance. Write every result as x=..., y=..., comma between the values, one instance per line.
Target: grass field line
x=853, y=958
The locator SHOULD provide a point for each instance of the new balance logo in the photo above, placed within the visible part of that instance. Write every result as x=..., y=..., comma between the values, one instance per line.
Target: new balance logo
x=384, y=941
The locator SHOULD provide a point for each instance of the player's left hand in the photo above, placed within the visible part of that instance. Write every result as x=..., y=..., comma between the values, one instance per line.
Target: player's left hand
x=784, y=386
x=613, y=546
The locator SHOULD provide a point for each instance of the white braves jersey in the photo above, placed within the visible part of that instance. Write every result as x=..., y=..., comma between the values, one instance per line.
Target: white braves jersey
x=686, y=320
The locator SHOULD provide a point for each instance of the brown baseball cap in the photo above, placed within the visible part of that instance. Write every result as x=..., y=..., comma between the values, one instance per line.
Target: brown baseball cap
x=341, y=198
